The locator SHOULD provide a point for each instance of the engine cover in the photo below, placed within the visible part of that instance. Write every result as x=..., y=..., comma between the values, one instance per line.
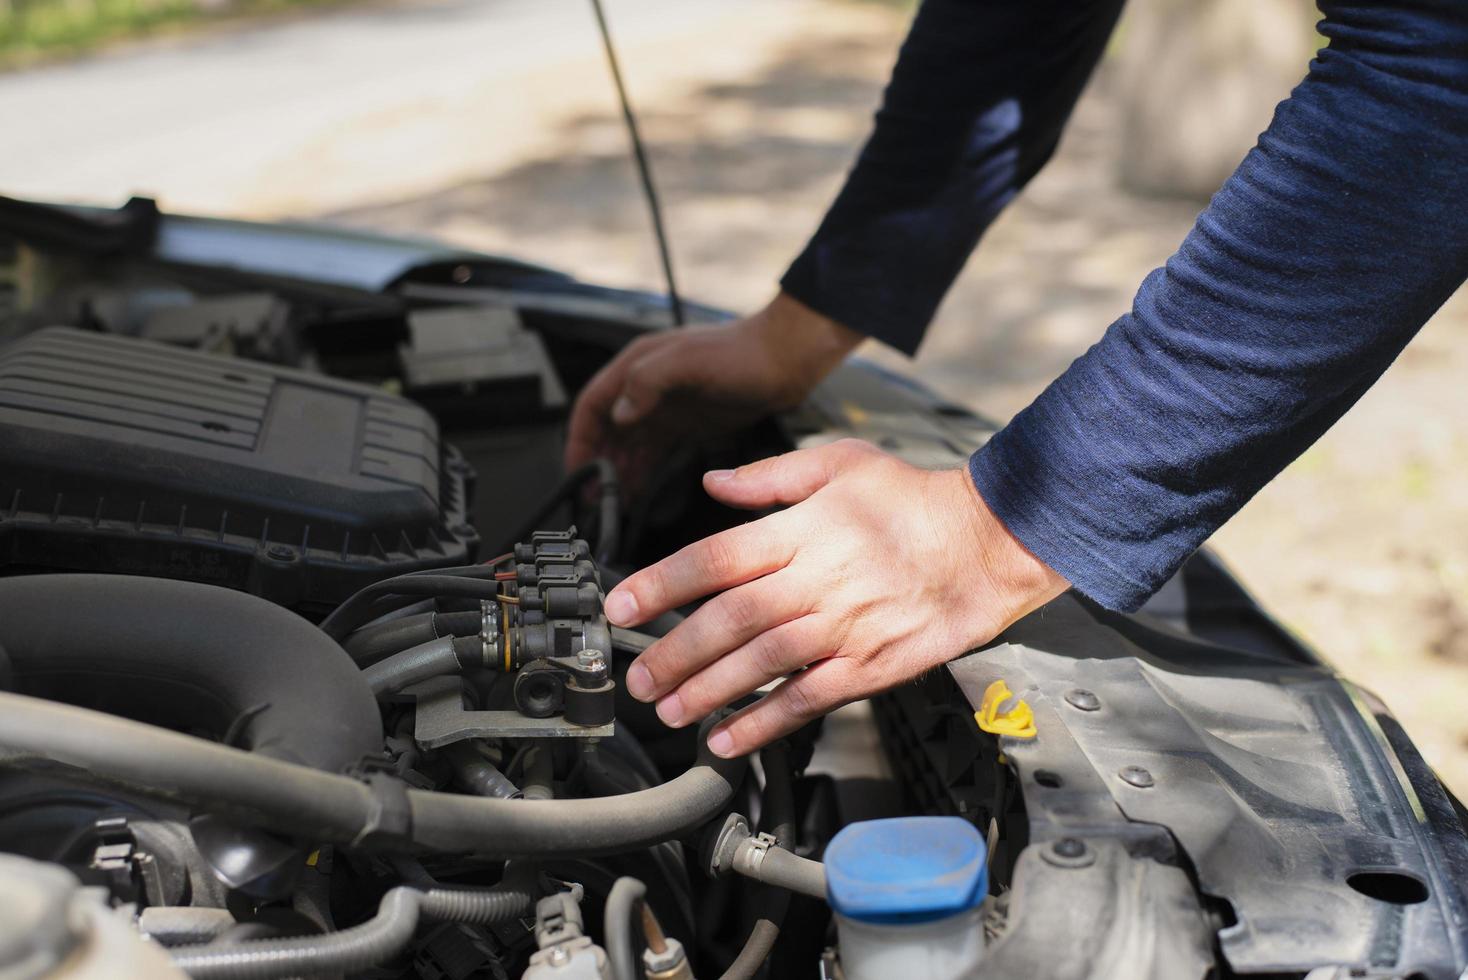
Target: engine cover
x=122, y=455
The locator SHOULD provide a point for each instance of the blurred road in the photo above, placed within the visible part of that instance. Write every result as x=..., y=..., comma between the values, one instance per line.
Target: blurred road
x=325, y=108
x=491, y=123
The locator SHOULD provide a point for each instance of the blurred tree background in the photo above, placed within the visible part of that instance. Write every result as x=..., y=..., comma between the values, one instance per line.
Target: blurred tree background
x=1198, y=81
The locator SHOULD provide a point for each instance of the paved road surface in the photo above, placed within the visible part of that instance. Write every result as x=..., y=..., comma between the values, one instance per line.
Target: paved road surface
x=333, y=108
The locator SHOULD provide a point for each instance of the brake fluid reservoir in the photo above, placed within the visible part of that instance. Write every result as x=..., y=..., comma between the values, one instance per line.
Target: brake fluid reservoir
x=907, y=895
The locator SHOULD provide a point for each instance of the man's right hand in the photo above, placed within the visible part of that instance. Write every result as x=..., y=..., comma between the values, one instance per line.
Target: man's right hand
x=667, y=388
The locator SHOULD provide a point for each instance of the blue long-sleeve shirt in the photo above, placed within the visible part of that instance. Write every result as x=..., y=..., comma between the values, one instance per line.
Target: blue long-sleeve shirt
x=1336, y=239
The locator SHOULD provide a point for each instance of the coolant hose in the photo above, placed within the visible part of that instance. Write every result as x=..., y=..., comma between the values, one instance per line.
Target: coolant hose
x=778, y=813
x=445, y=655
x=38, y=735
x=363, y=607
x=371, y=643
x=352, y=950
x=782, y=869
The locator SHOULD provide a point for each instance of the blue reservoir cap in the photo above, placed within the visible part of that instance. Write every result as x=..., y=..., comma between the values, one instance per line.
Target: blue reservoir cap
x=906, y=870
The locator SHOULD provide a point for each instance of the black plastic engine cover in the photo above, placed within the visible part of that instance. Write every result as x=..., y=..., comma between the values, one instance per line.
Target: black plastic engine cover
x=122, y=455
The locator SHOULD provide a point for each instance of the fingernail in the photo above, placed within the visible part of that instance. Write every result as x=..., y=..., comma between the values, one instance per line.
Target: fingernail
x=621, y=608
x=670, y=710
x=623, y=410
x=719, y=476
x=639, y=682
x=721, y=743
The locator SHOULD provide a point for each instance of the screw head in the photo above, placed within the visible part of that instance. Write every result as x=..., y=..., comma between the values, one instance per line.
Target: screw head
x=1069, y=852
x=1137, y=776
x=281, y=552
x=1069, y=847
x=1082, y=699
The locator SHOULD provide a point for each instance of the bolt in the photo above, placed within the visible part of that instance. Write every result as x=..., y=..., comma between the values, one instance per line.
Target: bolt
x=1137, y=776
x=281, y=552
x=1069, y=852
x=1082, y=699
x=1069, y=847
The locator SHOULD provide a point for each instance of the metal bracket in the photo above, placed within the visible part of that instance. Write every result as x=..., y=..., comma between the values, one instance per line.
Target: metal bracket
x=442, y=719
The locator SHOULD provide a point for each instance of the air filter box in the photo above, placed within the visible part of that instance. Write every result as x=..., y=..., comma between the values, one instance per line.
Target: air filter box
x=122, y=455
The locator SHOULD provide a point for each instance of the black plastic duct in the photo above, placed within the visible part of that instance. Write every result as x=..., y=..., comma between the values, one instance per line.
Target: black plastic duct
x=199, y=659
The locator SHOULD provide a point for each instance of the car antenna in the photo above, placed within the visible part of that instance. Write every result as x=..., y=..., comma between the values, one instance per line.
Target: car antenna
x=644, y=168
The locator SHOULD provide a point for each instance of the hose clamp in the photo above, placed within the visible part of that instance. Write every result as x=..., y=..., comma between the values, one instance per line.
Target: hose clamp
x=491, y=636
x=750, y=855
x=389, y=823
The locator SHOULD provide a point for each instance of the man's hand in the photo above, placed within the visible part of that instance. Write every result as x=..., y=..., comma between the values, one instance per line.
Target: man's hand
x=876, y=572
x=667, y=387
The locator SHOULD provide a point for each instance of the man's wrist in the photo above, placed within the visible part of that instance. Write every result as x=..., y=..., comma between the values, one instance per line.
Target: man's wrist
x=1012, y=572
x=809, y=343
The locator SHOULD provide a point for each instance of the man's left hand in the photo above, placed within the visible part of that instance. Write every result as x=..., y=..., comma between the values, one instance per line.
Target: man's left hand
x=875, y=572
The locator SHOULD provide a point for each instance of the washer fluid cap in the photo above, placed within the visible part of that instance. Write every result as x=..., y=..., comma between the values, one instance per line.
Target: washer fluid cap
x=906, y=870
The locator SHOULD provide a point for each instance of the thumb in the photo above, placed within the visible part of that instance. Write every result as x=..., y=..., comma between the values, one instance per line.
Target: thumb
x=785, y=479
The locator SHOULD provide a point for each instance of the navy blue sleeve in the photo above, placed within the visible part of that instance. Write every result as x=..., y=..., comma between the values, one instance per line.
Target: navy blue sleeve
x=975, y=107
x=1342, y=231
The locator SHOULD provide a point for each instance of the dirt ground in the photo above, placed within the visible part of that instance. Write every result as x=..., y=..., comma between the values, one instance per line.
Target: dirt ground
x=492, y=124
x=1361, y=546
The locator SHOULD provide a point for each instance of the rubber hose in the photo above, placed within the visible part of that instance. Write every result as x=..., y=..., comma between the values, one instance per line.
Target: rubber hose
x=609, y=534
x=180, y=925
x=354, y=949
x=478, y=775
x=371, y=643
x=631, y=641
x=446, y=655
x=778, y=813
x=190, y=656
x=800, y=875
x=620, y=923
x=609, y=526
x=578, y=827
x=359, y=609
x=38, y=735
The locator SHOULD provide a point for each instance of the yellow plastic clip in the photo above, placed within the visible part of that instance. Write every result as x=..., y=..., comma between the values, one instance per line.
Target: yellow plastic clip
x=1016, y=722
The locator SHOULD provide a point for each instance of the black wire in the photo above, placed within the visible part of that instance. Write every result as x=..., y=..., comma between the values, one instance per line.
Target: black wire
x=644, y=168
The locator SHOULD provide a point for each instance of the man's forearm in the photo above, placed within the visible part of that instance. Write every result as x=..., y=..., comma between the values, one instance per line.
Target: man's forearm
x=1335, y=240
x=974, y=109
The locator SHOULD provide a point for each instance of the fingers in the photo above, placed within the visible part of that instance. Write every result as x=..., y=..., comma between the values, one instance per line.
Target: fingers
x=813, y=692
x=652, y=375
x=729, y=558
x=723, y=624
x=767, y=657
x=785, y=479
x=586, y=436
x=627, y=390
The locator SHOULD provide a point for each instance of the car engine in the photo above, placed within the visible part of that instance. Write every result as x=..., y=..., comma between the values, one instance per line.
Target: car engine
x=304, y=672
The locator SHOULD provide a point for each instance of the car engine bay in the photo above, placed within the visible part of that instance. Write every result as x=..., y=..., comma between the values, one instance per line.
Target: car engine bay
x=304, y=671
